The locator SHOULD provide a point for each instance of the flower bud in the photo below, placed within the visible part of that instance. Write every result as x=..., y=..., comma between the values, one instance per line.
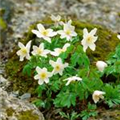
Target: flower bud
x=101, y=65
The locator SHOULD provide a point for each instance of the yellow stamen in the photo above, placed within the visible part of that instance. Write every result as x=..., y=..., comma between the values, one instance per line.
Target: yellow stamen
x=39, y=51
x=24, y=51
x=57, y=68
x=61, y=50
x=89, y=39
x=45, y=32
x=43, y=75
x=68, y=32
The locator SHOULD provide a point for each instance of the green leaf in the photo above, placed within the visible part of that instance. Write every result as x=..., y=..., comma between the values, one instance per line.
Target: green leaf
x=65, y=99
x=39, y=103
x=112, y=95
x=27, y=69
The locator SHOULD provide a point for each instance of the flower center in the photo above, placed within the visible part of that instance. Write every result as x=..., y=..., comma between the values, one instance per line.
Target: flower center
x=43, y=75
x=89, y=39
x=68, y=32
x=24, y=51
x=97, y=97
x=39, y=51
x=61, y=50
x=57, y=68
x=45, y=32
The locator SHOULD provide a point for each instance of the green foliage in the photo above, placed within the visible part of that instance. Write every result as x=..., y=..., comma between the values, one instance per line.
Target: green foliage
x=56, y=93
x=72, y=116
x=65, y=99
x=114, y=63
x=80, y=58
x=112, y=96
x=90, y=111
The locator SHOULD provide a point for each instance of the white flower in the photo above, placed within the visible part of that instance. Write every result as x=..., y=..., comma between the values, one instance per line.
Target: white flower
x=89, y=39
x=101, y=65
x=118, y=36
x=56, y=19
x=58, y=66
x=42, y=75
x=24, y=51
x=40, y=50
x=97, y=95
x=58, y=51
x=44, y=33
x=68, y=31
x=72, y=79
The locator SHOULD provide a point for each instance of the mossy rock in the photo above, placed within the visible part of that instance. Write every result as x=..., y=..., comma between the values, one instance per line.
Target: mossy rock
x=27, y=115
x=6, y=13
x=107, y=41
x=23, y=115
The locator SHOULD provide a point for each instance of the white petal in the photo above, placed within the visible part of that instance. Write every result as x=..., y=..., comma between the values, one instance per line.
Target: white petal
x=28, y=57
x=38, y=69
x=68, y=82
x=44, y=70
x=52, y=63
x=46, y=80
x=85, y=32
x=61, y=72
x=58, y=17
x=73, y=33
x=65, y=65
x=83, y=42
x=66, y=46
x=70, y=22
x=35, y=47
x=101, y=65
x=53, y=17
x=20, y=45
x=50, y=74
x=69, y=38
x=40, y=27
x=40, y=82
x=92, y=46
x=59, y=60
x=21, y=58
x=54, y=53
x=36, y=77
x=18, y=52
x=93, y=32
x=41, y=46
x=95, y=39
x=45, y=52
x=28, y=45
x=60, y=32
x=118, y=36
x=38, y=34
x=47, y=39
x=85, y=47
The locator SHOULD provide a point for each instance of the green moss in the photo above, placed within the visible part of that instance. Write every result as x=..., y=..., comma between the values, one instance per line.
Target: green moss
x=3, y=24
x=2, y=11
x=27, y=115
x=19, y=81
x=10, y=111
x=107, y=41
x=119, y=14
x=24, y=115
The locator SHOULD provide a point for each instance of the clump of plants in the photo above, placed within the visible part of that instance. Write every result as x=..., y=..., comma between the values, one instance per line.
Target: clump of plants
x=66, y=79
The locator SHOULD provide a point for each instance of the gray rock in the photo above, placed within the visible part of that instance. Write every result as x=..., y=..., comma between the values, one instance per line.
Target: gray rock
x=2, y=79
x=25, y=96
x=12, y=108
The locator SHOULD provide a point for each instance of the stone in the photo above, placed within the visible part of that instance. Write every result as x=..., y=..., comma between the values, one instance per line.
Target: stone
x=12, y=108
x=25, y=96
